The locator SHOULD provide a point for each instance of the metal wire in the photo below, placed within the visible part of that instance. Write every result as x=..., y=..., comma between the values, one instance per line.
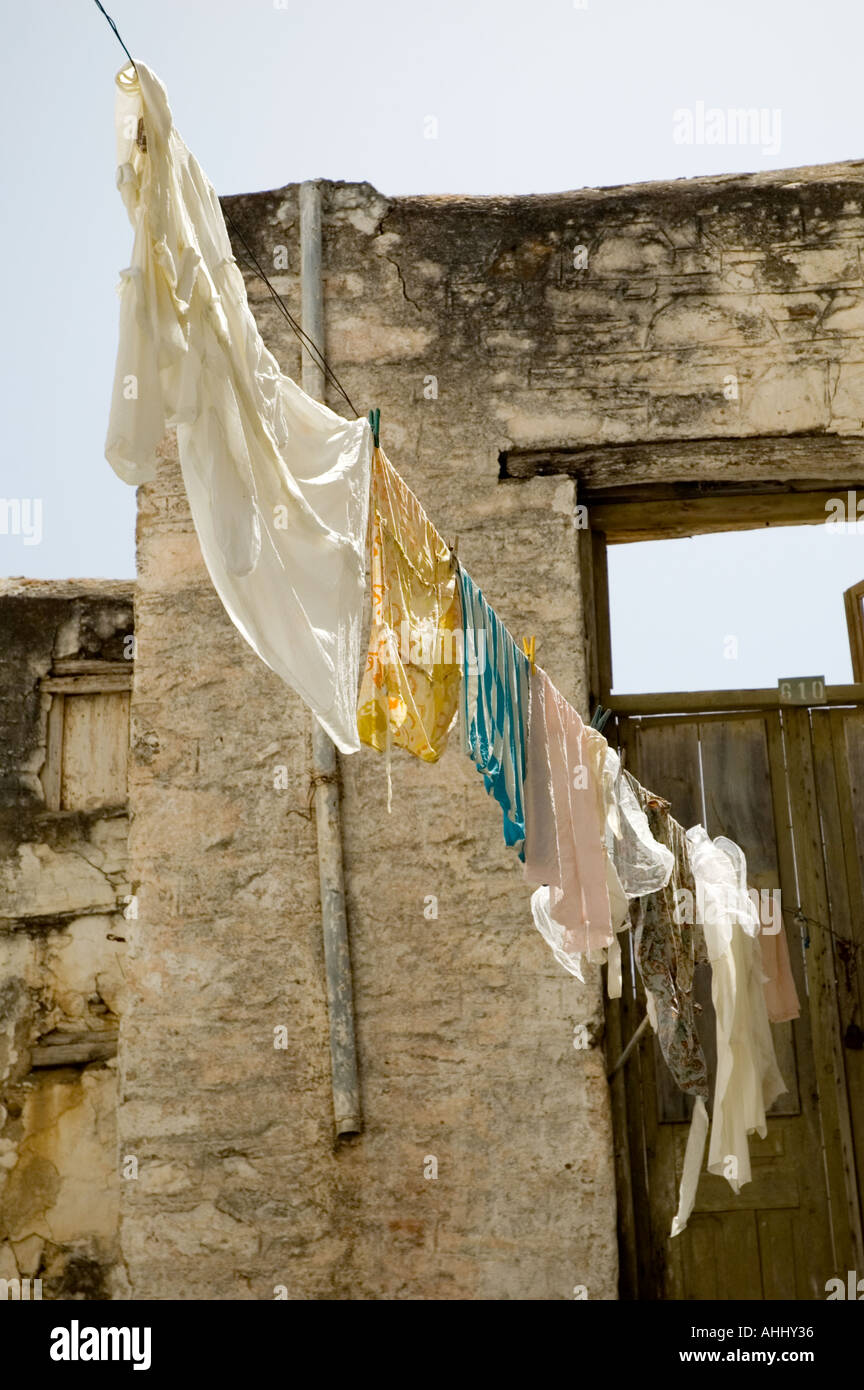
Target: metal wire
x=304, y=338
x=116, y=31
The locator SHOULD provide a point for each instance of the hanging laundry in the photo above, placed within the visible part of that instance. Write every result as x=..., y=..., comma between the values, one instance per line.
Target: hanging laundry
x=667, y=947
x=642, y=865
x=563, y=822
x=553, y=934
x=572, y=961
x=278, y=484
x=781, y=996
x=619, y=903
x=748, y=1079
x=410, y=689
x=637, y=863
x=495, y=698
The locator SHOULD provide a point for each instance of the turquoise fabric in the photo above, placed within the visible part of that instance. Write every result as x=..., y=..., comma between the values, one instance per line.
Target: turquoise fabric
x=495, y=695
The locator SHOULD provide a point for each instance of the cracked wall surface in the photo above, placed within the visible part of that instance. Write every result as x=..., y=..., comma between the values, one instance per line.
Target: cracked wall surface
x=64, y=889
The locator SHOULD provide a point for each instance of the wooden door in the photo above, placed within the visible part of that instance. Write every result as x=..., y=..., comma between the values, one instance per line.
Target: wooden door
x=788, y=787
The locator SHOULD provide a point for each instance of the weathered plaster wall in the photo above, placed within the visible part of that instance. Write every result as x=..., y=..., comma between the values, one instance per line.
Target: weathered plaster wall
x=473, y=327
x=678, y=286
x=464, y=1027
x=63, y=876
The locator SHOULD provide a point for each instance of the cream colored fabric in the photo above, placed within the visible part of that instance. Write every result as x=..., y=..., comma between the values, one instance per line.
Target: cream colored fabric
x=693, y=1155
x=753, y=1076
x=748, y=1079
x=278, y=484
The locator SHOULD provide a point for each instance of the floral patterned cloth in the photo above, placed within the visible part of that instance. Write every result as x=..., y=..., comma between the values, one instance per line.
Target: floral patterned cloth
x=667, y=950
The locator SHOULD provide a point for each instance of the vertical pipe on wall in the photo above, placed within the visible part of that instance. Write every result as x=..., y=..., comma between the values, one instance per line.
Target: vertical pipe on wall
x=347, y=1114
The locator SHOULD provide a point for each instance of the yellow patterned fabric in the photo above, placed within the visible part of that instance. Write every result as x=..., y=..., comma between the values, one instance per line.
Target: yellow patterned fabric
x=410, y=686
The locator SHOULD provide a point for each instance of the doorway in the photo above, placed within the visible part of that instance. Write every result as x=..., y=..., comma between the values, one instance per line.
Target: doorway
x=786, y=782
x=788, y=786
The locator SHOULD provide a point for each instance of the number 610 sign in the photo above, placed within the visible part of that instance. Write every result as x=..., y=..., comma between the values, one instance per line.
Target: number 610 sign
x=802, y=690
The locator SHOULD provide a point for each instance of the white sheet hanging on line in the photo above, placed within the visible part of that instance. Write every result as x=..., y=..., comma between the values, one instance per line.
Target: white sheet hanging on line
x=277, y=483
x=748, y=1079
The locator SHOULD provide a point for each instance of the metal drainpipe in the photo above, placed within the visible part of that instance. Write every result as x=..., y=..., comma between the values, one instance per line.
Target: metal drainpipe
x=347, y=1112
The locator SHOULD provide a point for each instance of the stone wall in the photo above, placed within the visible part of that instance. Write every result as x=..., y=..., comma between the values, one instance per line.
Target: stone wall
x=63, y=892
x=478, y=327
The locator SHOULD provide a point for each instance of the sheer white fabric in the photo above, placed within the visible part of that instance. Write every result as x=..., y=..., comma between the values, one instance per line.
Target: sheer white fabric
x=553, y=933
x=277, y=483
x=642, y=864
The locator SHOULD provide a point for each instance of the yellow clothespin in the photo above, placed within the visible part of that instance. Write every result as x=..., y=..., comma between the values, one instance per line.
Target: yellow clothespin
x=454, y=549
x=528, y=648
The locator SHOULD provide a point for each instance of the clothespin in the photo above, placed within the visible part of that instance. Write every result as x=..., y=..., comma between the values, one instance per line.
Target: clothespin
x=600, y=718
x=454, y=549
x=375, y=425
x=528, y=649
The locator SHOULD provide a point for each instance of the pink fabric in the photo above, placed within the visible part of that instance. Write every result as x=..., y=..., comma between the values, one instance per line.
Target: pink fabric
x=563, y=825
x=781, y=996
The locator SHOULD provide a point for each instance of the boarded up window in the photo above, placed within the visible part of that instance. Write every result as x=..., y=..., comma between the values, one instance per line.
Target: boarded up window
x=95, y=750
x=88, y=749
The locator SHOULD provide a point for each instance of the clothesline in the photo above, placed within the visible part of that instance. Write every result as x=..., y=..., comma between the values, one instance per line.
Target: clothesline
x=798, y=915
x=304, y=338
x=116, y=31
x=281, y=489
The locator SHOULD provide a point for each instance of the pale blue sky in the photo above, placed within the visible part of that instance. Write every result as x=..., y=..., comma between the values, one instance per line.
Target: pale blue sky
x=529, y=98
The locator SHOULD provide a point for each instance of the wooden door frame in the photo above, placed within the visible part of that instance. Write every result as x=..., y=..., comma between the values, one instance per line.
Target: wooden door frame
x=685, y=487
x=830, y=1108
x=642, y=510
x=853, y=599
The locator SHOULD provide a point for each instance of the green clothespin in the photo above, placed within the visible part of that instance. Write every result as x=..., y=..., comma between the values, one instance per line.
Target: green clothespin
x=600, y=718
x=375, y=425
